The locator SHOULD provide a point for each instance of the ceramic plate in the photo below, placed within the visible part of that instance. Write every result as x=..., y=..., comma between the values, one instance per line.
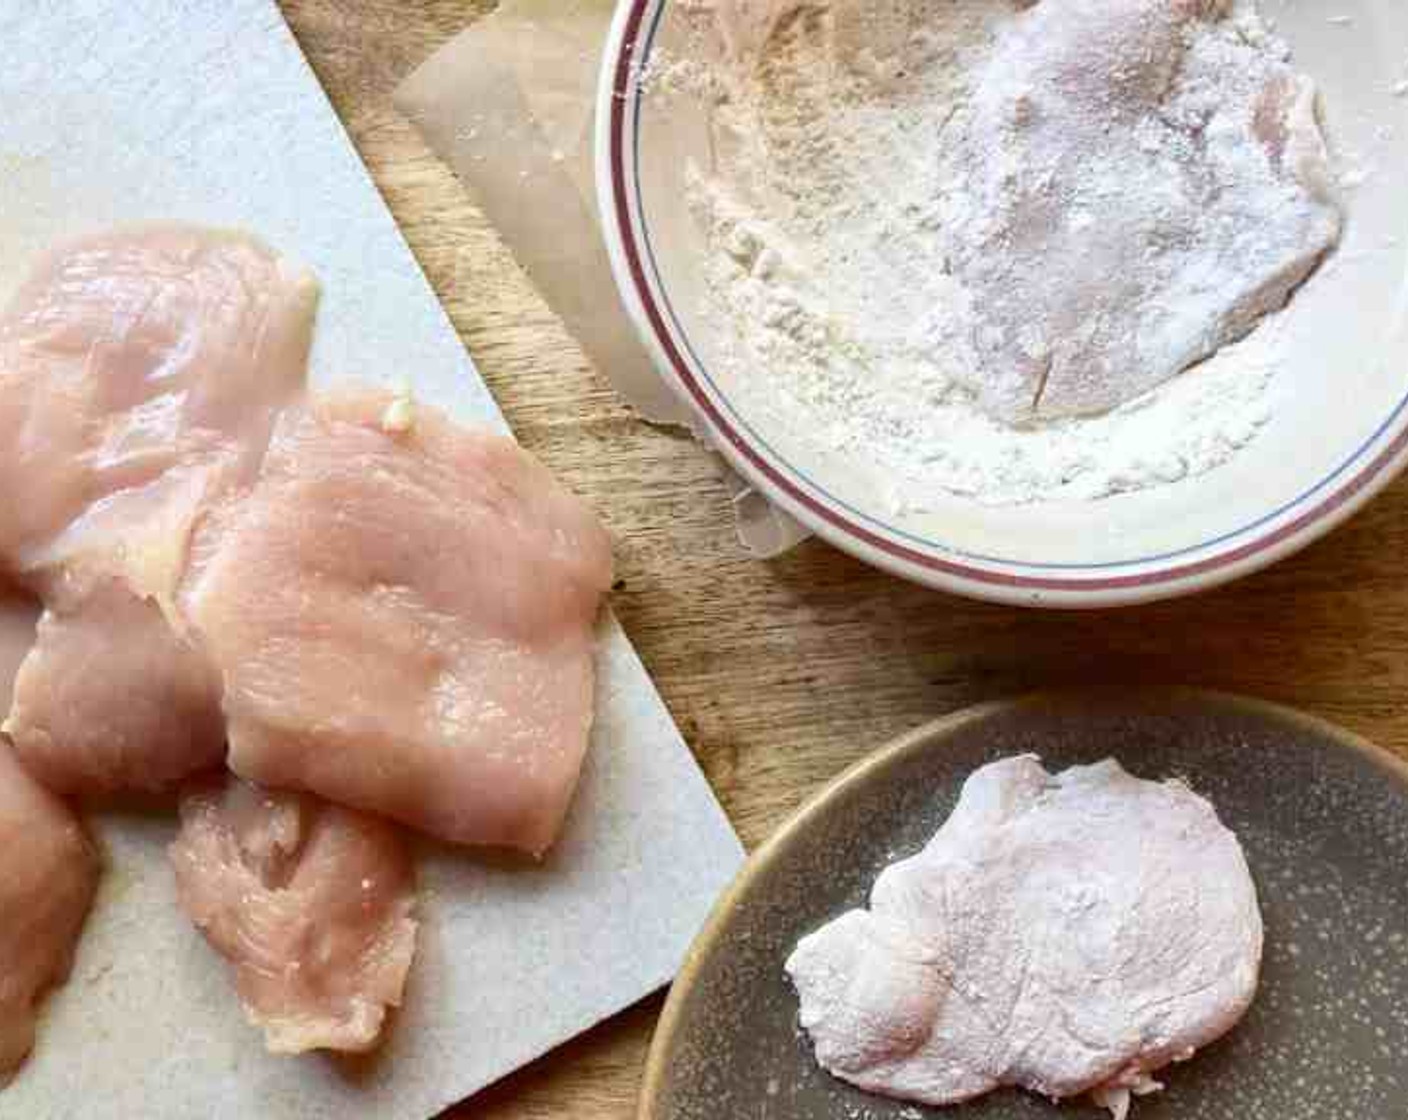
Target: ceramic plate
x=1338, y=431
x=1322, y=815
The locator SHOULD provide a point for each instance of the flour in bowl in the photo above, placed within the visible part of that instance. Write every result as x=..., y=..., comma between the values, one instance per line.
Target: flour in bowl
x=1010, y=250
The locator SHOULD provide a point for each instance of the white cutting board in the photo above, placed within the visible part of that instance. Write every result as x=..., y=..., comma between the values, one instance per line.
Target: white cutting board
x=205, y=110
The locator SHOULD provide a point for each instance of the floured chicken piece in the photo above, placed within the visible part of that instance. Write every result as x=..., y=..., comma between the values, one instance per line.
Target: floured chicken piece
x=48, y=873
x=402, y=612
x=1065, y=933
x=310, y=903
x=112, y=700
x=140, y=375
x=1136, y=184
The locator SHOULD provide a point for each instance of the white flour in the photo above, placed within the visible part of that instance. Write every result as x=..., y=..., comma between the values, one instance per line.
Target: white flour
x=961, y=245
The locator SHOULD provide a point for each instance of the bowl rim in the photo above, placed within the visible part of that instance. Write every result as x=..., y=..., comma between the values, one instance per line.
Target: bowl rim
x=918, y=740
x=1272, y=536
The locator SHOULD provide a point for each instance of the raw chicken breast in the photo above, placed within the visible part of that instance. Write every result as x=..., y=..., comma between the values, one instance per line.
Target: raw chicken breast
x=112, y=700
x=140, y=374
x=19, y=615
x=133, y=364
x=309, y=902
x=403, y=612
x=48, y=873
x=1062, y=933
x=1137, y=183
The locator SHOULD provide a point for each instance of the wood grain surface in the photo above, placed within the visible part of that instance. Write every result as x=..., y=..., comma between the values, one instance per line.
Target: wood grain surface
x=780, y=674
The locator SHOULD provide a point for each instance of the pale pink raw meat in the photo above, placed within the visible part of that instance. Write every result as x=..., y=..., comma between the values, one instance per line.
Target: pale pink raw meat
x=48, y=872
x=310, y=903
x=112, y=700
x=130, y=361
x=19, y=614
x=140, y=374
x=1066, y=933
x=402, y=612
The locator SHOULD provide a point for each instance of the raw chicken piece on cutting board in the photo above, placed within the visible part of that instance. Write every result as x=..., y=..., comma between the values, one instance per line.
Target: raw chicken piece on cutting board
x=112, y=700
x=140, y=374
x=19, y=615
x=129, y=359
x=402, y=612
x=311, y=904
x=48, y=873
x=1065, y=933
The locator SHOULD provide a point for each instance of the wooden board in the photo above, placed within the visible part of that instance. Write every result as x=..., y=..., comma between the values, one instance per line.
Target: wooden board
x=783, y=673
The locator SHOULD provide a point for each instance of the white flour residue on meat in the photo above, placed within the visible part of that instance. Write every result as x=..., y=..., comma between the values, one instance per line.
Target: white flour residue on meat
x=1065, y=933
x=974, y=245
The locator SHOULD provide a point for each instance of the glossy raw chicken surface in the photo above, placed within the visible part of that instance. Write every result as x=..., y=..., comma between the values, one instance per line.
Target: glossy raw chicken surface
x=19, y=615
x=140, y=375
x=48, y=872
x=402, y=611
x=133, y=365
x=111, y=699
x=309, y=902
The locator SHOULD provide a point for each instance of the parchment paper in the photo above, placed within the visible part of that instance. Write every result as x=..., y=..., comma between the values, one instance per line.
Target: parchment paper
x=509, y=104
x=117, y=110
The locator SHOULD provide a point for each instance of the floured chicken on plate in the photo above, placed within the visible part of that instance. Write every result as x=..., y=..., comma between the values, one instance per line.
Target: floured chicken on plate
x=312, y=904
x=1065, y=933
x=48, y=873
x=140, y=374
x=403, y=612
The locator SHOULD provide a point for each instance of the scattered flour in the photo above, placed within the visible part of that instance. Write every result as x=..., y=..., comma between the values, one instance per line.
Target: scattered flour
x=970, y=243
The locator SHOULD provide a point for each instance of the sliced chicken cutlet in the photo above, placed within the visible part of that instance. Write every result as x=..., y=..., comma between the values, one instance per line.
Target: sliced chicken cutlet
x=19, y=615
x=310, y=903
x=140, y=375
x=402, y=612
x=128, y=360
x=1065, y=933
x=112, y=700
x=48, y=873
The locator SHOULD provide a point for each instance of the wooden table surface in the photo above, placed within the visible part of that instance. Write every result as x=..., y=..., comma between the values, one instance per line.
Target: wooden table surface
x=782, y=673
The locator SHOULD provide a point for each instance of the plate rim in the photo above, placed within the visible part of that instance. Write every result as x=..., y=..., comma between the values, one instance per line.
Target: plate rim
x=920, y=738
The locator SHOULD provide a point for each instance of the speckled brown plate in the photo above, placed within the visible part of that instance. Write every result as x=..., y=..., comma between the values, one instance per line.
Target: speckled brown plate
x=1323, y=817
